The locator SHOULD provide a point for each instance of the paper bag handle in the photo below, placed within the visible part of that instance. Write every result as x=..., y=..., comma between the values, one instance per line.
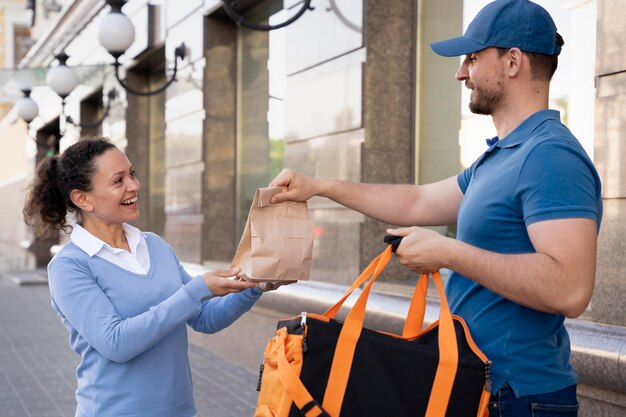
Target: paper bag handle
x=346, y=345
x=265, y=194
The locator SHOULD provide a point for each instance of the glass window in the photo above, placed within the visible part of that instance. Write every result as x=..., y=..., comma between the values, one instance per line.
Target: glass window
x=276, y=66
x=177, y=191
x=260, y=108
x=300, y=95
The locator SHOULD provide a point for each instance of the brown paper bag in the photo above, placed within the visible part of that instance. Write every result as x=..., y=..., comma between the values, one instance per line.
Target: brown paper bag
x=277, y=242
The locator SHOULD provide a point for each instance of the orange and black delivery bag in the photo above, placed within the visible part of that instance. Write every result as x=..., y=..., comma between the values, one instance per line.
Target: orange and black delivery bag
x=316, y=365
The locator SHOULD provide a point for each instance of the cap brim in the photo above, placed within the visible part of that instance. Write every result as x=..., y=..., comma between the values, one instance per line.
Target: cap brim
x=457, y=46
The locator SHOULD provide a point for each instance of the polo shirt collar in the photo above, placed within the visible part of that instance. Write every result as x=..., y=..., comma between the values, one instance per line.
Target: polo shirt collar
x=522, y=132
x=92, y=245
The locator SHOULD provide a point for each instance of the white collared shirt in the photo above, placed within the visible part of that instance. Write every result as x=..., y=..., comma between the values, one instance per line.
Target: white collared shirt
x=137, y=260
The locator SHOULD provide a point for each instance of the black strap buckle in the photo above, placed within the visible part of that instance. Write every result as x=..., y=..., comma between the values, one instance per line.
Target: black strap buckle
x=394, y=241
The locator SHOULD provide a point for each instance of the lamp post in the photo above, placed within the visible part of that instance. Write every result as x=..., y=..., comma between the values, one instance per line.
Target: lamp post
x=111, y=96
x=117, y=34
x=27, y=108
x=62, y=79
x=231, y=9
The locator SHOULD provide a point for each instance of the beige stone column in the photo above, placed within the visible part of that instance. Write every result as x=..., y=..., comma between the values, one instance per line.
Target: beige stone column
x=145, y=127
x=388, y=94
x=220, y=136
x=609, y=303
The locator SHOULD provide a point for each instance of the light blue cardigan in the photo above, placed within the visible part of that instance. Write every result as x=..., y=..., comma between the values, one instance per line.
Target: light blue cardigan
x=130, y=329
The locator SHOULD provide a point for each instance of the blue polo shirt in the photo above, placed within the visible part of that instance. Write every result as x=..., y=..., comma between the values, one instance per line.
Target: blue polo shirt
x=537, y=172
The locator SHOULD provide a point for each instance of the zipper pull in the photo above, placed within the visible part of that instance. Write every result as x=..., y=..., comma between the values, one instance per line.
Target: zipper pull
x=305, y=345
x=258, y=385
x=488, y=376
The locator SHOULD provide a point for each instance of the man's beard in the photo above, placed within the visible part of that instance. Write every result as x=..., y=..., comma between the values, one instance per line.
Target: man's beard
x=484, y=101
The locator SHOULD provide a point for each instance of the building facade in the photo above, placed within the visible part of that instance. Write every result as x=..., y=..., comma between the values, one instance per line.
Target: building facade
x=15, y=40
x=349, y=90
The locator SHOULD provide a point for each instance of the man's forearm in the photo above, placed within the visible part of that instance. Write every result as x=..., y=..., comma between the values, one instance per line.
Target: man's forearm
x=390, y=203
x=398, y=204
x=534, y=280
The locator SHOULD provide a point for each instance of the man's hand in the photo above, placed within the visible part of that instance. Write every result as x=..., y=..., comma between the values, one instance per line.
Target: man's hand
x=222, y=282
x=299, y=187
x=421, y=250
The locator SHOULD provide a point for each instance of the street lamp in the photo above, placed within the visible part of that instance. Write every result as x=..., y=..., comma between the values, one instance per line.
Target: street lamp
x=27, y=108
x=117, y=34
x=231, y=9
x=111, y=97
x=62, y=79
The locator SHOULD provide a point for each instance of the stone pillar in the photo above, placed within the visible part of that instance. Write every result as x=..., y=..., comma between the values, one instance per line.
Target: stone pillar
x=145, y=129
x=609, y=304
x=219, y=239
x=388, y=94
x=137, y=149
x=47, y=139
x=91, y=110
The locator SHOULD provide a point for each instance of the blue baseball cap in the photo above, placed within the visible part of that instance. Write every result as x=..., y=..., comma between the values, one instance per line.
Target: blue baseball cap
x=505, y=24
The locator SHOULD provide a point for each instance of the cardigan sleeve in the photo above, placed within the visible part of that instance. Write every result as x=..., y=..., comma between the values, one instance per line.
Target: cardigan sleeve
x=80, y=300
x=218, y=313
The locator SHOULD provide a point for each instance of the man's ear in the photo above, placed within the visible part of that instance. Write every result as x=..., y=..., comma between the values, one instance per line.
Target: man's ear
x=514, y=62
x=81, y=200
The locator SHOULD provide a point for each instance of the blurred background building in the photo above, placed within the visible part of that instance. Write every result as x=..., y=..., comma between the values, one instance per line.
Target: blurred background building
x=349, y=89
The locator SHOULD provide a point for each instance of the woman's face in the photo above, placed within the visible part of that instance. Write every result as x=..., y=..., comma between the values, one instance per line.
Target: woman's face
x=113, y=197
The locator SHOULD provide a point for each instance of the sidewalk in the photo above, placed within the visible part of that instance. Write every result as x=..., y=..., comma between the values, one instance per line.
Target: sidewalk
x=37, y=366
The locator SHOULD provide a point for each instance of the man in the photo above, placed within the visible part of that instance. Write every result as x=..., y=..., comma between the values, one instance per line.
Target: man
x=527, y=213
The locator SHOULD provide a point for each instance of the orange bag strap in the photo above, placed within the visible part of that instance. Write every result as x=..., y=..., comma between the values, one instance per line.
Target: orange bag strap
x=346, y=345
x=415, y=317
x=367, y=272
x=292, y=384
x=417, y=309
x=448, y=357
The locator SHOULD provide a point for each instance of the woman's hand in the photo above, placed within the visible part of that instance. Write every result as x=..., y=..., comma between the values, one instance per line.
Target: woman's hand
x=225, y=282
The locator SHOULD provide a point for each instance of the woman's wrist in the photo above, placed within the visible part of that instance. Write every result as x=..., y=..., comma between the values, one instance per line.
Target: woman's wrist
x=198, y=290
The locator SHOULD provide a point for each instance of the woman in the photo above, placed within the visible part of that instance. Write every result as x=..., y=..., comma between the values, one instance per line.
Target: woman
x=122, y=293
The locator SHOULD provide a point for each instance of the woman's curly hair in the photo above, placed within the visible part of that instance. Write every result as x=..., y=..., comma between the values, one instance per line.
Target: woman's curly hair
x=48, y=195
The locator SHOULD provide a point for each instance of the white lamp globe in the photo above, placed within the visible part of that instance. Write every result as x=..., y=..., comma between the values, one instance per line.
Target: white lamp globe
x=27, y=109
x=116, y=33
x=62, y=80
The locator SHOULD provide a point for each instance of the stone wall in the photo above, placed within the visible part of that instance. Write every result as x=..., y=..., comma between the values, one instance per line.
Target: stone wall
x=609, y=304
